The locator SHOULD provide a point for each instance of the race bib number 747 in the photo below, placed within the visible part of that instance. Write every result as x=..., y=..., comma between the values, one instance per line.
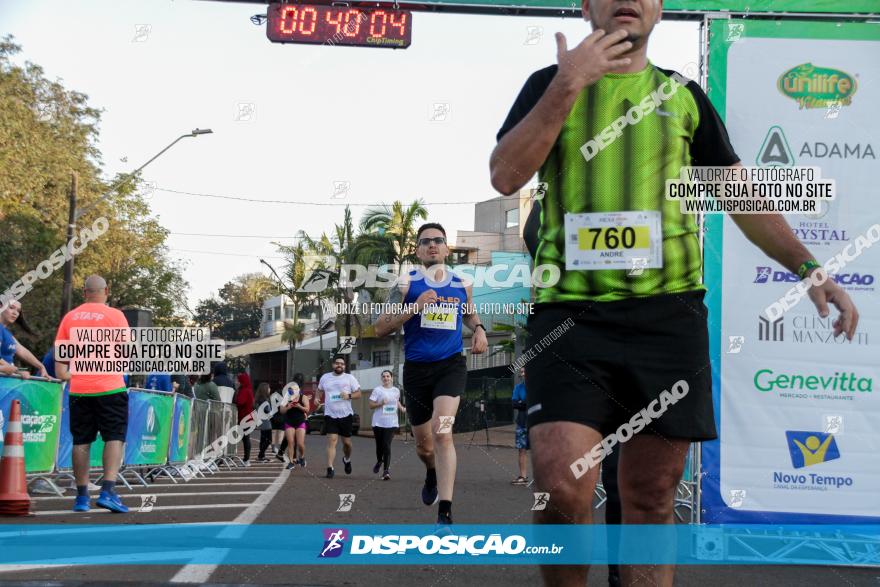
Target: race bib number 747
x=439, y=317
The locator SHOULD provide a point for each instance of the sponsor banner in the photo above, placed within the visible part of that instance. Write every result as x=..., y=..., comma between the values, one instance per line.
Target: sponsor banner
x=65, y=442
x=178, y=446
x=676, y=6
x=228, y=544
x=796, y=406
x=149, y=427
x=40, y=419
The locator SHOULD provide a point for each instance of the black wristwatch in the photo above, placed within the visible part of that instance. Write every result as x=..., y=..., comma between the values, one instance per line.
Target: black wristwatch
x=480, y=326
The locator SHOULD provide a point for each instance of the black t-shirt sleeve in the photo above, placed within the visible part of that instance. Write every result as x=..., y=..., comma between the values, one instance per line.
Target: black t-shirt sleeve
x=711, y=144
x=531, y=92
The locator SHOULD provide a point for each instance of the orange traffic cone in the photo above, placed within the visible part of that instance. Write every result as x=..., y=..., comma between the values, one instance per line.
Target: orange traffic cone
x=14, y=498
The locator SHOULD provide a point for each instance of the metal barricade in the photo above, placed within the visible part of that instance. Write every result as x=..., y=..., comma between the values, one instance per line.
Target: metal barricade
x=178, y=443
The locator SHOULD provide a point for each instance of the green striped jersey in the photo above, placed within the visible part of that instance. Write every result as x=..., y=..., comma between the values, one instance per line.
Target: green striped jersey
x=624, y=170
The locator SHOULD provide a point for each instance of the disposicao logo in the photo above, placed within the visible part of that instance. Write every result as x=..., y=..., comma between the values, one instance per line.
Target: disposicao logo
x=811, y=448
x=334, y=542
x=817, y=87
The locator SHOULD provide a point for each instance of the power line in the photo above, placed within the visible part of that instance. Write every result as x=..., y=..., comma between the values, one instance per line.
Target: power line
x=245, y=235
x=225, y=254
x=301, y=203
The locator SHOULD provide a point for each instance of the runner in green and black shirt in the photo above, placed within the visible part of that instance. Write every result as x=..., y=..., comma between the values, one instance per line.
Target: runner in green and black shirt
x=604, y=129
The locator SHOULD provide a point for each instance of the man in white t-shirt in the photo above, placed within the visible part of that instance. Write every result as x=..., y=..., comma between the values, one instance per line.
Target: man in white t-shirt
x=335, y=392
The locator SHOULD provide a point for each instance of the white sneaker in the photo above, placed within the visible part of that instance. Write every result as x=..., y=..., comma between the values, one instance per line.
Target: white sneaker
x=247, y=463
x=93, y=487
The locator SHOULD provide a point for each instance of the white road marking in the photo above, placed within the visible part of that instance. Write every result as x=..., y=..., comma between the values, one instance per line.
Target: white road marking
x=97, y=510
x=103, y=559
x=165, y=495
x=200, y=573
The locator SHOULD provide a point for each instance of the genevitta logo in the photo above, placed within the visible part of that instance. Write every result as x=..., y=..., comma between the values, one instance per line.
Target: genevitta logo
x=334, y=542
x=843, y=385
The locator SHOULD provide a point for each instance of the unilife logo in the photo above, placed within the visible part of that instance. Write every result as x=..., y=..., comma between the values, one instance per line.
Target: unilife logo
x=817, y=87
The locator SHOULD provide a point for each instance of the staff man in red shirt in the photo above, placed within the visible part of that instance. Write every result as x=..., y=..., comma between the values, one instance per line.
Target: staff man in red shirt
x=98, y=402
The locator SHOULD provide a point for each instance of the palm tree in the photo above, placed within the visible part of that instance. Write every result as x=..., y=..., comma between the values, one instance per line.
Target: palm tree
x=388, y=235
x=295, y=272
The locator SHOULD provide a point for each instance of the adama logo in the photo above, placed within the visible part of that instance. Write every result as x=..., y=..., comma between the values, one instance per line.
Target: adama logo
x=817, y=87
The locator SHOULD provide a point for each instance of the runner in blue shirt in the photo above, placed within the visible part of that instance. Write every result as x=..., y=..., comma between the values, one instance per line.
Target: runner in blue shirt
x=431, y=307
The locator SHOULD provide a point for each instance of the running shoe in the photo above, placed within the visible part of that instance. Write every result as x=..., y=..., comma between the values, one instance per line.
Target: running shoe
x=301, y=462
x=376, y=468
x=247, y=463
x=330, y=473
x=347, y=466
x=112, y=502
x=430, y=495
x=444, y=519
x=280, y=457
x=290, y=466
x=81, y=503
x=386, y=476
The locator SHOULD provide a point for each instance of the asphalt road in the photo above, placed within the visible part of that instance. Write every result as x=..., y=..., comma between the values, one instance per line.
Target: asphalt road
x=265, y=494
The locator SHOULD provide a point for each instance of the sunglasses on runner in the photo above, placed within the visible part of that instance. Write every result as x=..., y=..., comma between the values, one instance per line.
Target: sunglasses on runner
x=437, y=240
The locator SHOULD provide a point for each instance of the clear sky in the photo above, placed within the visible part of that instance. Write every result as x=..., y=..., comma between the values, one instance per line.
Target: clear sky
x=320, y=115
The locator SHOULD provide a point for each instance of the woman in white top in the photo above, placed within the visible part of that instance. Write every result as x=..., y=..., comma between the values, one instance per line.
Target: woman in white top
x=385, y=403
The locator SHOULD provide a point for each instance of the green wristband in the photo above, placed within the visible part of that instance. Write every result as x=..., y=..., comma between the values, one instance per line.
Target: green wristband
x=806, y=266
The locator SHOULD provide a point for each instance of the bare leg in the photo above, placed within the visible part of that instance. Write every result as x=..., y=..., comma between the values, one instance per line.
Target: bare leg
x=650, y=469
x=346, y=447
x=523, y=457
x=301, y=442
x=112, y=459
x=555, y=445
x=331, y=449
x=444, y=448
x=81, y=464
x=290, y=433
x=424, y=443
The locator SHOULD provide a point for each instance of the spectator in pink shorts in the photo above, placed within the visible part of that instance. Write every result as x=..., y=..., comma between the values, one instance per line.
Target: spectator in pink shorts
x=295, y=424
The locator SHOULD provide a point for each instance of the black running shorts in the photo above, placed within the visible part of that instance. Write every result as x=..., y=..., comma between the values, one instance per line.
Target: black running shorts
x=90, y=414
x=340, y=426
x=611, y=360
x=424, y=382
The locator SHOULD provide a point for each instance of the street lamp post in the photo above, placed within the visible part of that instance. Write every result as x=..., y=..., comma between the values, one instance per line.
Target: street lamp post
x=76, y=214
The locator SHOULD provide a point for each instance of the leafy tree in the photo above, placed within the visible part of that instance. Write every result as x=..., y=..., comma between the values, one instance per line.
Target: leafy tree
x=237, y=314
x=47, y=134
x=388, y=235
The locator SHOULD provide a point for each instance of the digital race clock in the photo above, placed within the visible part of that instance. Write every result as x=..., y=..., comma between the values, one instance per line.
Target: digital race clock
x=339, y=25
